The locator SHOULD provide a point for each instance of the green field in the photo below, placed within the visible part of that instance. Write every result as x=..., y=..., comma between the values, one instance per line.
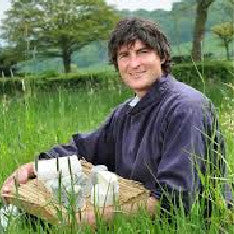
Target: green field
x=34, y=122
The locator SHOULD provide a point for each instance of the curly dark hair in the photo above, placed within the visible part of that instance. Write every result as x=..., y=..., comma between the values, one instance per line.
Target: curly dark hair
x=128, y=30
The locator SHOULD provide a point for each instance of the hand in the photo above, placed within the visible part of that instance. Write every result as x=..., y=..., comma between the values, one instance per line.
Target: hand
x=20, y=176
x=88, y=217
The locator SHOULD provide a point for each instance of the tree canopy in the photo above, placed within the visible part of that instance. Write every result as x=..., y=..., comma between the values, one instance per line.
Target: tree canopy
x=57, y=28
x=33, y=32
x=225, y=32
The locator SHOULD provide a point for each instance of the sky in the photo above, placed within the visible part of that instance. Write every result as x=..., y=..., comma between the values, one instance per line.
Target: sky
x=4, y=5
x=120, y=4
x=144, y=4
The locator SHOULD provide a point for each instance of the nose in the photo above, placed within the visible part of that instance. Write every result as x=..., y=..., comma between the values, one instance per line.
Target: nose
x=134, y=61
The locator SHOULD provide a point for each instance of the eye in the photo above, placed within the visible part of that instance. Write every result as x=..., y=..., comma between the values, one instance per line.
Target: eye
x=122, y=55
x=143, y=51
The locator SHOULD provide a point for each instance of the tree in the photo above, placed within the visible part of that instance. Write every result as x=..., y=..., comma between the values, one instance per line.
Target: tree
x=9, y=56
x=57, y=28
x=225, y=7
x=225, y=31
x=199, y=30
x=181, y=26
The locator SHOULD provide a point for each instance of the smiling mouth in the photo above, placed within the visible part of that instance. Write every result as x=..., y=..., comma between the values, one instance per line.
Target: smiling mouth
x=136, y=73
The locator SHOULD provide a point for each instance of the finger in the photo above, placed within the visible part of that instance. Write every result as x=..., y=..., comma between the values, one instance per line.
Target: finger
x=21, y=176
x=6, y=198
x=90, y=218
x=7, y=187
x=18, y=177
x=87, y=216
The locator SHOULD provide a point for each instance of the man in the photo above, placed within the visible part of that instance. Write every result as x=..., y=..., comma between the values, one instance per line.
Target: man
x=159, y=137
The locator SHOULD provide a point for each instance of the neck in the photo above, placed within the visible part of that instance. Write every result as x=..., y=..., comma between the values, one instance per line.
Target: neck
x=140, y=94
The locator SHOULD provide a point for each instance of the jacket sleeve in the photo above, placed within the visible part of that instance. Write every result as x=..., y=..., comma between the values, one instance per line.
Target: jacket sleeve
x=187, y=132
x=96, y=147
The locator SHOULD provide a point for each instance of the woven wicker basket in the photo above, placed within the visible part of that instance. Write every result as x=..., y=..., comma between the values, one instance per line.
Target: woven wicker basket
x=35, y=199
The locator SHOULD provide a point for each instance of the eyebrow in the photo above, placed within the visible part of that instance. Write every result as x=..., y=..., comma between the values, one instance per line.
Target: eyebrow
x=122, y=52
x=125, y=51
x=144, y=48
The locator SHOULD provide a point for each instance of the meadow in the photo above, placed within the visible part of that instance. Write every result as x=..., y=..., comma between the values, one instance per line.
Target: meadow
x=32, y=122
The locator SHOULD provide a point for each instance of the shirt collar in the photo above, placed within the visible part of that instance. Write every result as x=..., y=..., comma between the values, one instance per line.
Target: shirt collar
x=134, y=101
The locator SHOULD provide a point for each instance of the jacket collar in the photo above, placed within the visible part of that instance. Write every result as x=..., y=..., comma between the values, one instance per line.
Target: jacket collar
x=153, y=96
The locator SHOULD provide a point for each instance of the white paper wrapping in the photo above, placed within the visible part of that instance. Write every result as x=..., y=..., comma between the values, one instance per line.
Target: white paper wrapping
x=47, y=169
x=105, y=191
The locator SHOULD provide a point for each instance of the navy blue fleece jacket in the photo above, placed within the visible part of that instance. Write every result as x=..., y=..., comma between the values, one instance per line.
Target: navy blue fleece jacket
x=161, y=141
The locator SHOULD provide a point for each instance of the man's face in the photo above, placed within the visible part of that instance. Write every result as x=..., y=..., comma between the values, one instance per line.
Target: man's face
x=139, y=66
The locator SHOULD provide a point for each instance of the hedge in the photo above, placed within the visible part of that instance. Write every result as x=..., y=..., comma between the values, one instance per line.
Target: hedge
x=13, y=85
x=187, y=72
x=193, y=73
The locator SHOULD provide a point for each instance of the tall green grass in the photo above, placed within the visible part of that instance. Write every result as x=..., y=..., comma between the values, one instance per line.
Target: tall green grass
x=34, y=122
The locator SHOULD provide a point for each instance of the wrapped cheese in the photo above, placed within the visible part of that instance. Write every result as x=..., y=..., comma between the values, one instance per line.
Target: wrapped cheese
x=94, y=173
x=64, y=176
x=72, y=190
x=49, y=169
x=105, y=190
